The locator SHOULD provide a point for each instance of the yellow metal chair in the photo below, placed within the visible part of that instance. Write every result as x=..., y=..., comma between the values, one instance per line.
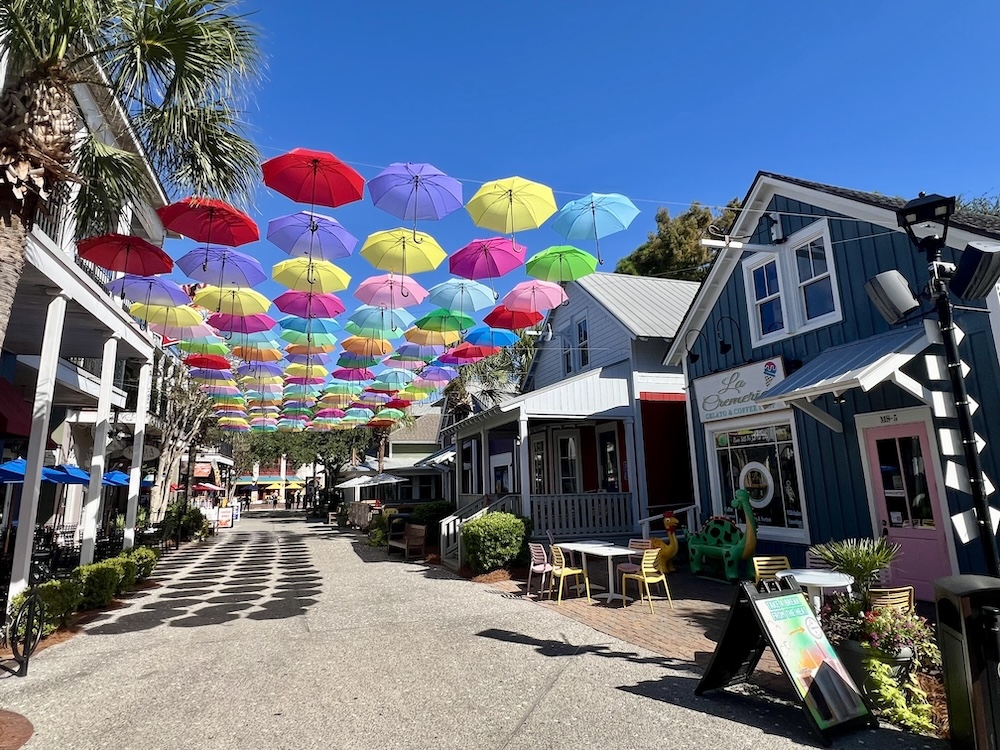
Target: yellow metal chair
x=765, y=567
x=899, y=598
x=561, y=570
x=648, y=573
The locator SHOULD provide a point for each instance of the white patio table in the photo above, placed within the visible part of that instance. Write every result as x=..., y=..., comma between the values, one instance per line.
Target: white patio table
x=608, y=551
x=814, y=580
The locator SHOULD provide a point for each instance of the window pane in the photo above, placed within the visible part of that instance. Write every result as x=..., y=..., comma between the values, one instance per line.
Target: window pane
x=818, y=251
x=818, y=297
x=759, y=284
x=771, y=271
x=915, y=478
x=803, y=262
x=770, y=317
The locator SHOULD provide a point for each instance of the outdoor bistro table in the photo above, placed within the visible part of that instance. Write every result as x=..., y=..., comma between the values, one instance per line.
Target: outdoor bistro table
x=605, y=550
x=814, y=580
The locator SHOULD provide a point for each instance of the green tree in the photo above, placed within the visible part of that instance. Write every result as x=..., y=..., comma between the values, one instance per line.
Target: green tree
x=674, y=250
x=179, y=70
x=982, y=204
x=491, y=379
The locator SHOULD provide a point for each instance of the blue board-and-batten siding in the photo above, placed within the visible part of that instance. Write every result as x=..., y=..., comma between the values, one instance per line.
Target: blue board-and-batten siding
x=832, y=476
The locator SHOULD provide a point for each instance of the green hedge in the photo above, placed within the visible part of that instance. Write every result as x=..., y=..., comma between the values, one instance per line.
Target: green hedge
x=495, y=540
x=145, y=559
x=378, y=531
x=60, y=599
x=127, y=572
x=100, y=583
x=430, y=515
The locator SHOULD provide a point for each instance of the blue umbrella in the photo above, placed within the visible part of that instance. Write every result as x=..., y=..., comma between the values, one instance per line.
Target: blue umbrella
x=150, y=290
x=309, y=325
x=595, y=216
x=65, y=474
x=374, y=322
x=311, y=235
x=486, y=336
x=461, y=295
x=397, y=378
x=13, y=471
x=412, y=191
x=222, y=267
x=116, y=479
x=260, y=369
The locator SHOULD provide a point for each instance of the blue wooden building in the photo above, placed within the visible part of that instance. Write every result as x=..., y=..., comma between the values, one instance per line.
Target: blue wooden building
x=838, y=424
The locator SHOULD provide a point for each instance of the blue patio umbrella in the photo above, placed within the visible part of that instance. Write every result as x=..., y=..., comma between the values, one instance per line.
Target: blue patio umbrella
x=461, y=295
x=116, y=479
x=65, y=474
x=12, y=472
x=595, y=216
x=486, y=336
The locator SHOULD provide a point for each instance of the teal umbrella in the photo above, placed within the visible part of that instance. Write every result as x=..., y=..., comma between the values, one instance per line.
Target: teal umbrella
x=461, y=295
x=595, y=216
x=378, y=322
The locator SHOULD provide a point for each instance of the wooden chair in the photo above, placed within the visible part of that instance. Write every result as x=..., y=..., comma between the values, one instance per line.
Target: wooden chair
x=634, y=563
x=561, y=570
x=539, y=564
x=648, y=573
x=765, y=567
x=899, y=598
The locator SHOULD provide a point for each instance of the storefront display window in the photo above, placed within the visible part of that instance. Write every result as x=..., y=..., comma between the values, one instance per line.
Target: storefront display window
x=761, y=460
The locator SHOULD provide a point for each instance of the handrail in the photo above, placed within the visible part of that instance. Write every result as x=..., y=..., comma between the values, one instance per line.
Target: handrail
x=691, y=521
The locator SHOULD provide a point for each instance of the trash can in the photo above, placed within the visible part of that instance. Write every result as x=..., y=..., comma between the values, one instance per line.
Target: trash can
x=968, y=621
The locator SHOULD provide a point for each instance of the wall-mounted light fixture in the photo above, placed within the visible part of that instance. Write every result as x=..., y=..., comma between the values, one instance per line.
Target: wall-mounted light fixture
x=725, y=346
x=692, y=356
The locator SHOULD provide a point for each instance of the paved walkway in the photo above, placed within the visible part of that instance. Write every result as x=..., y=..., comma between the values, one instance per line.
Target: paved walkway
x=287, y=634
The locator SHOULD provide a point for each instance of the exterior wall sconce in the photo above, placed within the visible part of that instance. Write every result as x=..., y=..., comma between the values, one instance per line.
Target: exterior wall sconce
x=692, y=356
x=724, y=346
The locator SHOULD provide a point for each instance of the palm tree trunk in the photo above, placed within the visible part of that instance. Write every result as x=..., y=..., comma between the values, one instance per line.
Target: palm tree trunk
x=13, y=237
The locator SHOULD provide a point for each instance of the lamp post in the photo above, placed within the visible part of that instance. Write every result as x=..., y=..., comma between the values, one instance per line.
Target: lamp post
x=938, y=209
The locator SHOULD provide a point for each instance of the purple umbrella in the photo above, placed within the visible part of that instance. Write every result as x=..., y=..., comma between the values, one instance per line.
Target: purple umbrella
x=308, y=305
x=222, y=266
x=150, y=290
x=310, y=235
x=259, y=369
x=415, y=191
x=310, y=359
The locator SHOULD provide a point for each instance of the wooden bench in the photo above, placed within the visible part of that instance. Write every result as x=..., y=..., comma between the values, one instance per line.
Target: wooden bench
x=414, y=537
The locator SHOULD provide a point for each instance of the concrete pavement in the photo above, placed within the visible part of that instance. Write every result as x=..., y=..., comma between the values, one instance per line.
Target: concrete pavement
x=288, y=634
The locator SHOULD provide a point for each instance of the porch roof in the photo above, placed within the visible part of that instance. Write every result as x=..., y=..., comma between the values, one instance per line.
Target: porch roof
x=599, y=393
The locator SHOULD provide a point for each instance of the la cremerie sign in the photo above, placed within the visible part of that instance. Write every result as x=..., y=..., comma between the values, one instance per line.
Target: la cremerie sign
x=734, y=393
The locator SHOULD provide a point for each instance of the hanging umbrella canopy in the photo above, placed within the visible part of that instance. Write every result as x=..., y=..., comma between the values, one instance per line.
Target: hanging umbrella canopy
x=346, y=359
x=318, y=276
x=259, y=370
x=213, y=348
x=239, y=324
x=445, y=320
x=182, y=332
x=392, y=414
x=491, y=337
x=438, y=374
x=301, y=337
x=487, y=259
x=342, y=387
x=306, y=325
x=313, y=348
x=391, y=291
x=178, y=316
x=534, y=296
x=207, y=362
x=411, y=191
x=125, y=253
x=232, y=301
x=461, y=295
x=305, y=359
x=373, y=321
x=511, y=205
x=309, y=305
x=311, y=235
x=220, y=390
x=222, y=266
x=210, y=221
x=595, y=216
x=561, y=263
x=353, y=374
x=330, y=413
x=359, y=415
x=152, y=290
x=402, y=251
x=258, y=353
x=317, y=178
x=366, y=347
x=298, y=371
x=513, y=320
x=433, y=338
x=418, y=352
x=395, y=377
x=464, y=354
x=405, y=364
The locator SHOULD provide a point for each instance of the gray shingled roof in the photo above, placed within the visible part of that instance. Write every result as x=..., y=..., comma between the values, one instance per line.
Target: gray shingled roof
x=648, y=307
x=423, y=430
x=979, y=223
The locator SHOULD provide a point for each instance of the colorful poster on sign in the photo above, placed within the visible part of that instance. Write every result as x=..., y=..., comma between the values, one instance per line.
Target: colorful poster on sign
x=225, y=518
x=816, y=672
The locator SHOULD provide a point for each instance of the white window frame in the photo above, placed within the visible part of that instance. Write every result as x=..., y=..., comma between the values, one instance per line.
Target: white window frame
x=557, y=435
x=603, y=430
x=793, y=306
x=580, y=345
x=566, y=353
x=768, y=419
x=535, y=439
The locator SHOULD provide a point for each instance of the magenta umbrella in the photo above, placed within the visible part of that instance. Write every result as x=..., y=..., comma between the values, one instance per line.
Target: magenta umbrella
x=309, y=305
x=241, y=324
x=534, y=296
x=353, y=374
x=335, y=413
x=390, y=291
x=487, y=259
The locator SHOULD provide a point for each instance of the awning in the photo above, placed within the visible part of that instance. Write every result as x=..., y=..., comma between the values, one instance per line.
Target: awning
x=208, y=487
x=860, y=364
x=352, y=482
x=15, y=411
x=441, y=457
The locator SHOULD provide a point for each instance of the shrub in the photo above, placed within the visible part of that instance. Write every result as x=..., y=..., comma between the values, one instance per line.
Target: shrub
x=60, y=599
x=127, y=570
x=430, y=515
x=378, y=531
x=100, y=582
x=495, y=540
x=145, y=559
x=862, y=559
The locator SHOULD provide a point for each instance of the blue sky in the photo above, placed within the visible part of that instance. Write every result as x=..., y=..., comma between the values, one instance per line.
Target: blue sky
x=666, y=102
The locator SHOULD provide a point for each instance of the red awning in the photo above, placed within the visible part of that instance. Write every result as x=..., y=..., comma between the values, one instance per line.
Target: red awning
x=176, y=487
x=647, y=396
x=15, y=411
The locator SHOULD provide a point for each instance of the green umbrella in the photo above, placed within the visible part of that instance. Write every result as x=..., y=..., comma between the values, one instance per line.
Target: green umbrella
x=445, y=320
x=301, y=337
x=394, y=414
x=561, y=263
x=203, y=347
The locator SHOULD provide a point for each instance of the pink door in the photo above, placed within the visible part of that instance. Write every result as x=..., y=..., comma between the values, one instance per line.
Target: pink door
x=907, y=504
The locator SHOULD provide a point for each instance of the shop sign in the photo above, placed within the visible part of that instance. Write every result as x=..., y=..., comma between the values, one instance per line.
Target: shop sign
x=734, y=393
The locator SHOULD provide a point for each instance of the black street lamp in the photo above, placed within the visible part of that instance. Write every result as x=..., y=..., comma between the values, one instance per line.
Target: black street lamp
x=938, y=209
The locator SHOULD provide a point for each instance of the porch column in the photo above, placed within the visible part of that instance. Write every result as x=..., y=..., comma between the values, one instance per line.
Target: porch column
x=524, y=464
x=281, y=490
x=92, y=507
x=484, y=462
x=138, y=445
x=459, y=470
x=631, y=458
x=45, y=389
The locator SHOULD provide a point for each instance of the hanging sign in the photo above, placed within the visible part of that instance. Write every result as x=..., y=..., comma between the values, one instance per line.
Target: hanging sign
x=780, y=617
x=734, y=393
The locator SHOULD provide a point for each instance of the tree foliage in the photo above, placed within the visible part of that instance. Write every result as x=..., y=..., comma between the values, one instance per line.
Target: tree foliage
x=490, y=379
x=982, y=204
x=673, y=250
x=329, y=449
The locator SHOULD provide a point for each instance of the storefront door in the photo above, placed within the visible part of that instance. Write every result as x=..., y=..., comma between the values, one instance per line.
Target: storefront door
x=907, y=504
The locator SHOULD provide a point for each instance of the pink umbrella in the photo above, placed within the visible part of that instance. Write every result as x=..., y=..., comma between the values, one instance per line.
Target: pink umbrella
x=390, y=291
x=241, y=324
x=308, y=305
x=328, y=413
x=534, y=296
x=487, y=259
x=173, y=332
x=353, y=374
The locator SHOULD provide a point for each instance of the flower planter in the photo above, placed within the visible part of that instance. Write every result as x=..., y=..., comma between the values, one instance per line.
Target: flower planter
x=854, y=657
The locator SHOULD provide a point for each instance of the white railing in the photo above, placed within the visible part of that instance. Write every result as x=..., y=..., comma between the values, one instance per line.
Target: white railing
x=690, y=513
x=451, y=526
x=576, y=515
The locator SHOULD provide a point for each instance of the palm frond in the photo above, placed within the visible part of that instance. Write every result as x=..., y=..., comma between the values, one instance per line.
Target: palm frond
x=38, y=35
x=113, y=178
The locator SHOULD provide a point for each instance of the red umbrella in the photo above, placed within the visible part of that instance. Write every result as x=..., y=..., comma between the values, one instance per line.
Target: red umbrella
x=397, y=403
x=119, y=252
x=512, y=320
x=209, y=220
x=314, y=177
x=207, y=361
x=467, y=353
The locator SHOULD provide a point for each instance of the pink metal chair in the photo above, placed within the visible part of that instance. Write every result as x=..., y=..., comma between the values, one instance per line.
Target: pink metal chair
x=539, y=564
x=634, y=566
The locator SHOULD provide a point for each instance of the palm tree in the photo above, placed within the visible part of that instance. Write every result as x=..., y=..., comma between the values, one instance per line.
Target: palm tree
x=177, y=71
x=491, y=379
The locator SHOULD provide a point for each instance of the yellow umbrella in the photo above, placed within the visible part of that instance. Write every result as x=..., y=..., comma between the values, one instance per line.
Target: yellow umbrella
x=318, y=276
x=403, y=251
x=262, y=380
x=233, y=301
x=294, y=486
x=432, y=338
x=180, y=316
x=306, y=371
x=367, y=347
x=511, y=205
